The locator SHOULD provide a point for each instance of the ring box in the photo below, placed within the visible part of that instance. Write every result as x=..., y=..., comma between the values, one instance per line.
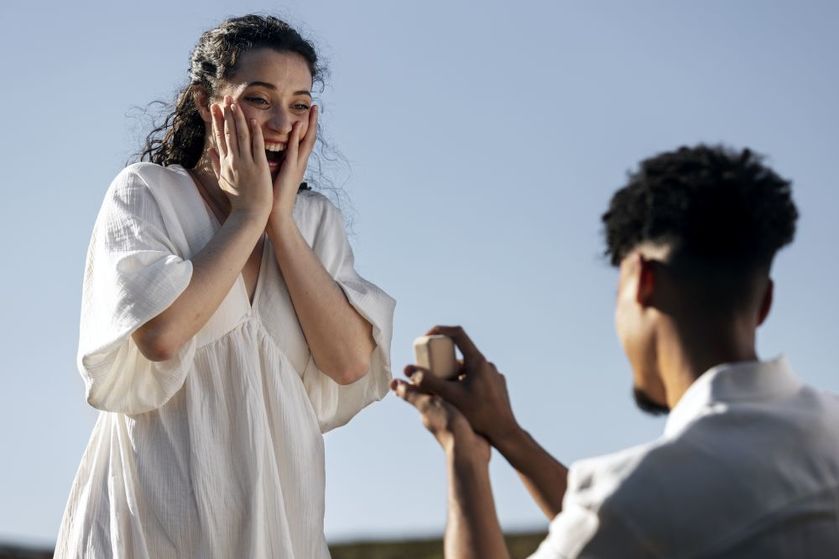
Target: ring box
x=436, y=353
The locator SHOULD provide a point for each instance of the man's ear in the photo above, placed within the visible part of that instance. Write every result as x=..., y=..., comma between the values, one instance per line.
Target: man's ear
x=646, y=270
x=766, y=302
x=202, y=102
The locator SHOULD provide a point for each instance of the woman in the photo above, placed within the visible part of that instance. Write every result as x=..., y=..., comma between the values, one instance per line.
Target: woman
x=223, y=325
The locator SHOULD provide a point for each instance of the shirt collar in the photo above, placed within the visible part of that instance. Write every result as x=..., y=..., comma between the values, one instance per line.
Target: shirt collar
x=729, y=383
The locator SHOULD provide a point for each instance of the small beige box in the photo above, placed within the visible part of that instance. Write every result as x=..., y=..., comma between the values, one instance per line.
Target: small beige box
x=436, y=353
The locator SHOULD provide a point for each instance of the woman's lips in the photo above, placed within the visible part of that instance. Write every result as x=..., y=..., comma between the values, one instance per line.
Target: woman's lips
x=275, y=159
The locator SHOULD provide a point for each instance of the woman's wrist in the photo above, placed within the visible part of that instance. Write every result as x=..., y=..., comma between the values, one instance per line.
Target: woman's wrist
x=281, y=222
x=255, y=217
x=247, y=223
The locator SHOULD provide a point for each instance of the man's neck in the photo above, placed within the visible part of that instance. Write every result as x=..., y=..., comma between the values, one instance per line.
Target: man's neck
x=689, y=350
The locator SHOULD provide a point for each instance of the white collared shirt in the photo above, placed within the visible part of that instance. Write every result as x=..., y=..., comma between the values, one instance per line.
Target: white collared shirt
x=747, y=467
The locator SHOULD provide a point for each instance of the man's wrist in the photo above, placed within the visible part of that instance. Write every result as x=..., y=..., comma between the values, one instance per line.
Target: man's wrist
x=464, y=447
x=466, y=456
x=510, y=440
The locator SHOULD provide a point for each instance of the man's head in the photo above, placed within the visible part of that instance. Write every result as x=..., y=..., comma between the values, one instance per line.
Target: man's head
x=694, y=232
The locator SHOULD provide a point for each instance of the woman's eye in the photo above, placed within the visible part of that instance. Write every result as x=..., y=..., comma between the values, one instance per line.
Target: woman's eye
x=301, y=107
x=256, y=100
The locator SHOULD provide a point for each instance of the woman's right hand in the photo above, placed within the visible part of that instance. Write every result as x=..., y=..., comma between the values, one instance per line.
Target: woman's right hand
x=238, y=160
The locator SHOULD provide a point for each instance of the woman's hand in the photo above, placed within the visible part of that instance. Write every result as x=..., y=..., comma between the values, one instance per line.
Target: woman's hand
x=238, y=160
x=293, y=167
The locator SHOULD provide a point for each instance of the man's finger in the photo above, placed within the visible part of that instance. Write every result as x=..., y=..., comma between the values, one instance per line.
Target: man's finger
x=425, y=381
x=410, y=393
x=462, y=340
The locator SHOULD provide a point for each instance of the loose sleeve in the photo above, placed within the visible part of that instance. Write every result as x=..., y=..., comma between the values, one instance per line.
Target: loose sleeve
x=590, y=526
x=133, y=273
x=333, y=403
x=579, y=532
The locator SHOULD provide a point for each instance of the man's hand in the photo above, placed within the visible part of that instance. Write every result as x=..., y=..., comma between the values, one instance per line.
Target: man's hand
x=480, y=396
x=479, y=393
x=443, y=420
x=472, y=528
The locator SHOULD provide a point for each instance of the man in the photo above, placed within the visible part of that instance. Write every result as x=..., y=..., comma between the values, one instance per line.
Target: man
x=748, y=465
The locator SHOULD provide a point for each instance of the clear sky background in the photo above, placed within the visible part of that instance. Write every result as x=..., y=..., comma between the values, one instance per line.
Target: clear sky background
x=484, y=141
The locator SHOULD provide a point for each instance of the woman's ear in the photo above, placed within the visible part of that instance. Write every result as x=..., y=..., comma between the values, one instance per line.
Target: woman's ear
x=202, y=102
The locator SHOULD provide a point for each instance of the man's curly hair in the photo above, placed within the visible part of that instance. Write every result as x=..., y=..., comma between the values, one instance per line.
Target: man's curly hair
x=713, y=205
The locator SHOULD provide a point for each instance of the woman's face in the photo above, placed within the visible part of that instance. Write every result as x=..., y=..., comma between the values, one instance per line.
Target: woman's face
x=275, y=89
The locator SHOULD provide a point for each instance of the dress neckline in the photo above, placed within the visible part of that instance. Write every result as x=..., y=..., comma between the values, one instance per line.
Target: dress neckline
x=216, y=223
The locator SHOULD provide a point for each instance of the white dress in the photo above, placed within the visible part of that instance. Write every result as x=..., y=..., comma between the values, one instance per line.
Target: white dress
x=217, y=452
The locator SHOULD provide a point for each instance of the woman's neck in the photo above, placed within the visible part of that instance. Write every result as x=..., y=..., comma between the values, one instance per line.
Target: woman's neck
x=203, y=171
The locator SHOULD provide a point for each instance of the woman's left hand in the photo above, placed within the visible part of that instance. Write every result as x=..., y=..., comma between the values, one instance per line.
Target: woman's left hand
x=293, y=167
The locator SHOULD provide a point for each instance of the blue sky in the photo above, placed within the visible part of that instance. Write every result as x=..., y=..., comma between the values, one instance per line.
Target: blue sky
x=484, y=141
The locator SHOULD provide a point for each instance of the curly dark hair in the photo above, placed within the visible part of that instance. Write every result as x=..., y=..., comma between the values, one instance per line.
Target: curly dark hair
x=714, y=205
x=179, y=139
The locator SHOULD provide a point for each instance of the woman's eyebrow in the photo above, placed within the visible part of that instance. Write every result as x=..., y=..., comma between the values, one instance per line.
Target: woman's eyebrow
x=272, y=86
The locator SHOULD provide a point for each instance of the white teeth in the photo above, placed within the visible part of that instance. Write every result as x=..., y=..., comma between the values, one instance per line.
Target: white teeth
x=274, y=147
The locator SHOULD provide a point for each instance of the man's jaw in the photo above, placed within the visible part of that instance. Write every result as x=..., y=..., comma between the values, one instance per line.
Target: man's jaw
x=647, y=404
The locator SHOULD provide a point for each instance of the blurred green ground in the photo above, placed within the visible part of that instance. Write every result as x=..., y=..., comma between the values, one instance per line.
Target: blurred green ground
x=520, y=546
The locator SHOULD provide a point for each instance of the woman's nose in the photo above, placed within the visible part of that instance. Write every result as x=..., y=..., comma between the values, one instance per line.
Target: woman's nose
x=280, y=121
